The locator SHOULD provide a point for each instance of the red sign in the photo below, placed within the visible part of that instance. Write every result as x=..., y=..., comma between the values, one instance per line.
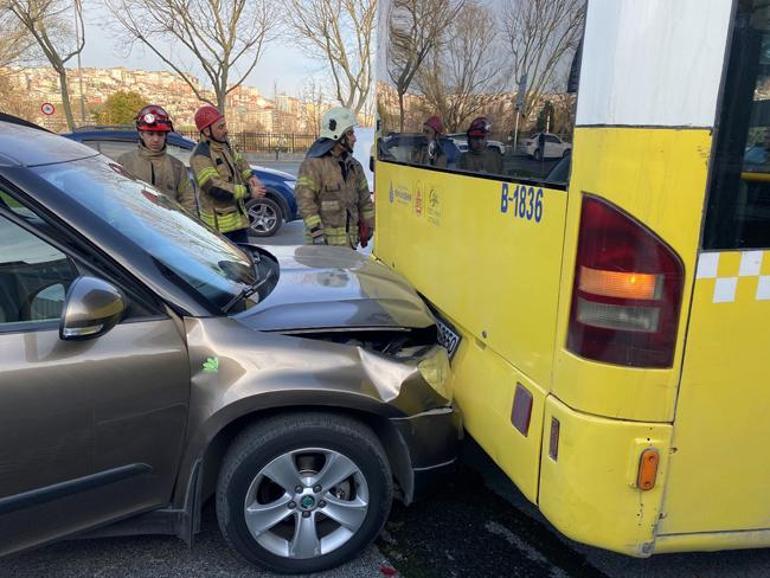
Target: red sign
x=47, y=108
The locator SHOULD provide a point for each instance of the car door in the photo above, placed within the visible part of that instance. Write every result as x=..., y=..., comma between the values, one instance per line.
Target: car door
x=552, y=146
x=90, y=430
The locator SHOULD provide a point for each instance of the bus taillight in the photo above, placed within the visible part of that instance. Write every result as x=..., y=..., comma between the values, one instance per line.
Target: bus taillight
x=627, y=292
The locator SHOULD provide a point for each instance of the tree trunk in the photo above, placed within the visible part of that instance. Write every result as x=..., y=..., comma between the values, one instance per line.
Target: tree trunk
x=65, y=98
x=401, y=111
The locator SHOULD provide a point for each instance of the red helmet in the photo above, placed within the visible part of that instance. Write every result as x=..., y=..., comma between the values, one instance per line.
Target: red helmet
x=207, y=115
x=435, y=123
x=479, y=128
x=153, y=118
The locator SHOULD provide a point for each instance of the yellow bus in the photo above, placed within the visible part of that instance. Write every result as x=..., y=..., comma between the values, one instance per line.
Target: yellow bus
x=609, y=312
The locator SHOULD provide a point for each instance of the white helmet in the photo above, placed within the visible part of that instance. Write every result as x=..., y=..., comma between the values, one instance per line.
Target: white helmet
x=336, y=122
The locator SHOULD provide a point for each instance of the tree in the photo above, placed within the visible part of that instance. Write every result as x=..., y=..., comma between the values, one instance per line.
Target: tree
x=542, y=37
x=15, y=40
x=226, y=39
x=461, y=77
x=121, y=107
x=47, y=21
x=339, y=32
x=414, y=28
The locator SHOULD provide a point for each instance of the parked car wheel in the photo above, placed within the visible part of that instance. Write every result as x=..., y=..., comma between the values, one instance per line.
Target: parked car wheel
x=303, y=493
x=265, y=217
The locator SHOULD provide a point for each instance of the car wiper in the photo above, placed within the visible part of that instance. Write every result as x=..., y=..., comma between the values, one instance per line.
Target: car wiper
x=247, y=291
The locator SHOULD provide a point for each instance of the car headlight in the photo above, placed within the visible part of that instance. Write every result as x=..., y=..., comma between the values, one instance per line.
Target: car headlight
x=291, y=184
x=435, y=370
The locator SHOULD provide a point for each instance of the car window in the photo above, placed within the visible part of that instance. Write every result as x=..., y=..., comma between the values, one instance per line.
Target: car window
x=111, y=148
x=738, y=210
x=183, y=249
x=456, y=84
x=34, y=277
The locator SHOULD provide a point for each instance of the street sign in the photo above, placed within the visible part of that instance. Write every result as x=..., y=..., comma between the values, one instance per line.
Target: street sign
x=47, y=108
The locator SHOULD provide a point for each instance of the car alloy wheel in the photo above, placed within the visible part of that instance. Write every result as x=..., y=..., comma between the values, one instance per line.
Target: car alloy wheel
x=303, y=493
x=265, y=217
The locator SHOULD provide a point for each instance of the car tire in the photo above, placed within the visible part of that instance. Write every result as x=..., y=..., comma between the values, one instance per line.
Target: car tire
x=303, y=451
x=265, y=217
x=566, y=153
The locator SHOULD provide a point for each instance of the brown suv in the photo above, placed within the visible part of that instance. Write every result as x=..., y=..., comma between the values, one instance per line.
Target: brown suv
x=148, y=365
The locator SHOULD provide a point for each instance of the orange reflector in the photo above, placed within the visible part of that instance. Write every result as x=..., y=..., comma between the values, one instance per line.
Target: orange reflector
x=620, y=285
x=648, y=469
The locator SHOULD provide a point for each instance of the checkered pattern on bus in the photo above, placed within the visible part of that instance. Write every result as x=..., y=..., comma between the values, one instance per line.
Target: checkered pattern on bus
x=737, y=275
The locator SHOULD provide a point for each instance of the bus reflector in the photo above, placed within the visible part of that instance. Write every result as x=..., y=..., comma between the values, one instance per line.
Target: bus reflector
x=553, y=446
x=522, y=409
x=648, y=469
x=627, y=292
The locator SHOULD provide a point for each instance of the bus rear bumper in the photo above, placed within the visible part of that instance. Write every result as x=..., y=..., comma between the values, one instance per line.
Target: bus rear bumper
x=588, y=478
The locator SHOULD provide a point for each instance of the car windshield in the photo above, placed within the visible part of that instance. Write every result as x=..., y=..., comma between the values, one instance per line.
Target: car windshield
x=208, y=265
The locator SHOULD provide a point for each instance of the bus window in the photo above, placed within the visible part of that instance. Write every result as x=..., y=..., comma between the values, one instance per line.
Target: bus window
x=738, y=212
x=479, y=87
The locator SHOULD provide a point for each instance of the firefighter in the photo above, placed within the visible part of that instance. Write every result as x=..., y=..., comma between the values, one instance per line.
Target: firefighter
x=224, y=178
x=332, y=192
x=151, y=162
x=480, y=158
x=430, y=152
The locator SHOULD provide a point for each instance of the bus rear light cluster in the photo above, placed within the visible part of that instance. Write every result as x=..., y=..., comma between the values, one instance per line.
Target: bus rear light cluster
x=627, y=292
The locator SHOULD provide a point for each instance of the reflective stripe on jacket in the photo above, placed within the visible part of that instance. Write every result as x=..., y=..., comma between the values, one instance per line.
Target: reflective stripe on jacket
x=221, y=174
x=332, y=195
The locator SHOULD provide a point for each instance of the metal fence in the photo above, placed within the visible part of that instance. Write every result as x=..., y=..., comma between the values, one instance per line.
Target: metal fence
x=266, y=142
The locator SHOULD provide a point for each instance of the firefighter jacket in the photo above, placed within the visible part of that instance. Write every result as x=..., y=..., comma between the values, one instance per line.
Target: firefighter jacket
x=431, y=156
x=333, y=195
x=487, y=161
x=162, y=171
x=222, y=176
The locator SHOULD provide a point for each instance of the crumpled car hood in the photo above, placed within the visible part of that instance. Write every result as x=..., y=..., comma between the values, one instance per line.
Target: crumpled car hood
x=324, y=287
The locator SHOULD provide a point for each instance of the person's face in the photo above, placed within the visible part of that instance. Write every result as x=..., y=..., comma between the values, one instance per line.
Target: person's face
x=350, y=136
x=477, y=143
x=153, y=140
x=428, y=133
x=219, y=130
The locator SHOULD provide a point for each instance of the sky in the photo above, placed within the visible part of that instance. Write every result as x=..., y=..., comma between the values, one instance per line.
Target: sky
x=282, y=62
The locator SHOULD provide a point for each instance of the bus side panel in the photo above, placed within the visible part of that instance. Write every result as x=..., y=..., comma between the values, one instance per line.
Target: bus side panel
x=485, y=252
x=485, y=392
x=658, y=176
x=588, y=483
x=720, y=473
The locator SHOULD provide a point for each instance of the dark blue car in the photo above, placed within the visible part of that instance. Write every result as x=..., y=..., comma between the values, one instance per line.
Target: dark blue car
x=266, y=214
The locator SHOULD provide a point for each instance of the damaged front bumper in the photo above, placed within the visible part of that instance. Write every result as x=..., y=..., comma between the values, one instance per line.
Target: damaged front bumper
x=431, y=440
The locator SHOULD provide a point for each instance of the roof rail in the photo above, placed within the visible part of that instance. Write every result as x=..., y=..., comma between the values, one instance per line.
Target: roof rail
x=4, y=117
x=86, y=127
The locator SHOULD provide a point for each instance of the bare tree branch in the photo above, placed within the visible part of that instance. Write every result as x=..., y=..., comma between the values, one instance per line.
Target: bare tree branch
x=542, y=37
x=226, y=39
x=340, y=33
x=47, y=22
x=414, y=29
x=462, y=76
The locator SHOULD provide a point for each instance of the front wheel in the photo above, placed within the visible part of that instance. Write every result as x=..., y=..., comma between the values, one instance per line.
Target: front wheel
x=265, y=217
x=303, y=493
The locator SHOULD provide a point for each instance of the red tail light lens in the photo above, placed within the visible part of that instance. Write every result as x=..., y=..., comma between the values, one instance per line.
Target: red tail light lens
x=627, y=293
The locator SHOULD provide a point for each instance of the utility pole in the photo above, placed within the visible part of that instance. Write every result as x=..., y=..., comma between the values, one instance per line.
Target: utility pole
x=80, y=72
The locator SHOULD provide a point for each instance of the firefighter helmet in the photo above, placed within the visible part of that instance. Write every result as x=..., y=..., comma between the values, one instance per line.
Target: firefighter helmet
x=207, y=115
x=153, y=118
x=479, y=127
x=336, y=122
x=435, y=123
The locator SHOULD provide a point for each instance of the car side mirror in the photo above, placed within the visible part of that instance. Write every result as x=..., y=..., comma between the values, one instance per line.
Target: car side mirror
x=92, y=307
